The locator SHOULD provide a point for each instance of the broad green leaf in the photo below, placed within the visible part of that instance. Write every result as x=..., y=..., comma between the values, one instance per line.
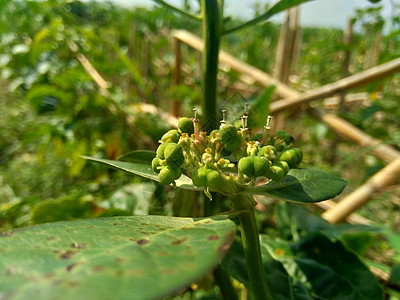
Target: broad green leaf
x=140, y=257
x=144, y=170
x=139, y=156
x=333, y=271
x=303, y=185
x=281, y=285
x=68, y=208
x=295, y=220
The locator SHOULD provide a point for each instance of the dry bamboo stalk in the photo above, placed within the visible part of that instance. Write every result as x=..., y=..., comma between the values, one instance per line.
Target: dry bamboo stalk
x=347, y=40
x=142, y=107
x=384, y=152
x=237, y=65
x=176, y=45
x=388, y=176
x=281, y=49
x=339, y=86
x=94, y=74
x=353, y=218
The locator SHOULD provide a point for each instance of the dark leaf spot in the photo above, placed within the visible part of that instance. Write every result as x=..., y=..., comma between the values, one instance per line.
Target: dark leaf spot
x=11, y=271
x=6, y=234
x=142, y=242
x=213, y=237
x=50, y=275
x=91, y=226
x=78, y=246
x=67, y=254
x=208, y=222
x=97, y=269
x=119, y=273
x=168, y=271
x=144, y=224
x=51, y=238
x=71, y=266
x=162, y=253
x=118, y=224
x=178, y=242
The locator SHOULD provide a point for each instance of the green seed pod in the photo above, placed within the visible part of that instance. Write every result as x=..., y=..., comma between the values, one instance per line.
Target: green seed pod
x=167, y=175
x=299, y=155
x=268, y=152
x=199, y=177
x=228, y=133
x=291, y=157
x=284, y=165
x=246, y=165
x=261, y=166
x=171, y=136
x=185, y=125
x=232, y=145
x=276, y=172
x=285, y=136
x=279, y=143
x=154, y=164
x=174, y=155
x=161, y=149
x=214, y=179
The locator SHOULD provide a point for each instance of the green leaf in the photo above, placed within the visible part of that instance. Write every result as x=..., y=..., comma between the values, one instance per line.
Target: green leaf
x=140, y=257
x=333, y=271
x=303, y=185
x=282, y=286
x=139, y=156
x=144, y=170
x=277, y=8
x=67, y=208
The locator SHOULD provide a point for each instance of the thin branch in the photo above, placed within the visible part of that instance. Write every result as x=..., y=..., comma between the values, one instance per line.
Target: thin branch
x=277, y=8
x=176, y=9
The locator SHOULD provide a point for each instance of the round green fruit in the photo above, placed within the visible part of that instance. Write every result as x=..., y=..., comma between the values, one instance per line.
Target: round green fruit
x=171, y=136
x=161, y=149
x=292, y=157
x=246, y=165
x=199, y=177
x=228, y=133
x=173, y=154
x=276, y=172
x=155, y=163
x=261, y=166
x=167, y=175
x=214, y=179
x=232, y=145
x=185, y=125
x=285, y=136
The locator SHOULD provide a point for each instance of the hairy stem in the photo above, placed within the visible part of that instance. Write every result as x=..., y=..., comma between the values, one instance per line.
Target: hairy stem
x=251, y=246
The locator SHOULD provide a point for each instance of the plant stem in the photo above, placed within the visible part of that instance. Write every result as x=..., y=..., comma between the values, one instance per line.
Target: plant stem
x=212, y=28
x=251, y=246
x=225, y=286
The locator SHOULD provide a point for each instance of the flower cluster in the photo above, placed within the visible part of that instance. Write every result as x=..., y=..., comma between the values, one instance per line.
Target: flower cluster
x=227, y=160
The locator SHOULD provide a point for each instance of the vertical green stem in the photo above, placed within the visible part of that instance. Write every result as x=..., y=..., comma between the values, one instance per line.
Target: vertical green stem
x=251, y=246
x=212, y=29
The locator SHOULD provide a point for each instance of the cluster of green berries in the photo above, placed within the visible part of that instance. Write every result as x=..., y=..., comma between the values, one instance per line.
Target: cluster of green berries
x=228, y=159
